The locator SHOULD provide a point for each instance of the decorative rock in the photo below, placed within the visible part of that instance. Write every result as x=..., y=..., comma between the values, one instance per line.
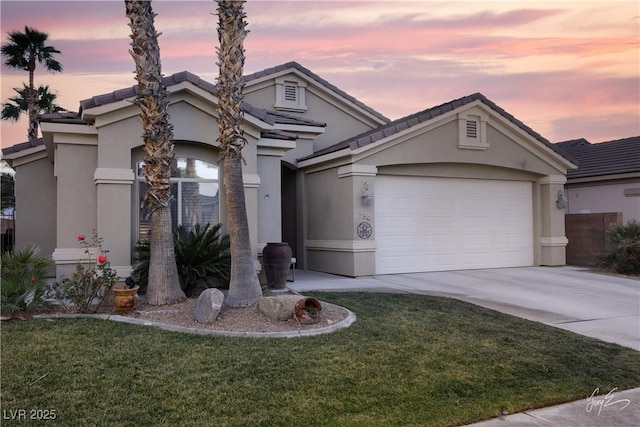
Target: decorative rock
x=208, y=305
x=279, y=307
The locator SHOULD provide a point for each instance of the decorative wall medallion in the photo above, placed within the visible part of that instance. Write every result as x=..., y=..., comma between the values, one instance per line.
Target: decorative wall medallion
x=364, y=230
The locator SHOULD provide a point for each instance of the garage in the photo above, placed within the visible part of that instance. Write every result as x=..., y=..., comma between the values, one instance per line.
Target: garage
x=438, y=224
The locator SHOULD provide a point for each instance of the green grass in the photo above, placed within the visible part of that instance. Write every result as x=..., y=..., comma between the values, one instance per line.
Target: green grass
x=408, y=360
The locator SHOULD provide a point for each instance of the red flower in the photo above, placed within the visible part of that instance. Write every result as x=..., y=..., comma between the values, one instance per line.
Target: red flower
x=33, y=279
x=102, y=259
x=80, y=237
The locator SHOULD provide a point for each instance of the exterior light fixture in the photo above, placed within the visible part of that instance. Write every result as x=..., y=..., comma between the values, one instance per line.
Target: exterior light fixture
x=561, y=200
x=367, y=195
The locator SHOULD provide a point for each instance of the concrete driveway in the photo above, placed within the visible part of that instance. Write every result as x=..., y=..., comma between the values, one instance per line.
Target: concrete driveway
x=597, y=305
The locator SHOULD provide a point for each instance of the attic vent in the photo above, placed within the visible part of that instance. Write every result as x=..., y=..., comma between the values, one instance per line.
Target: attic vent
x=472, y=128
x=290, y=92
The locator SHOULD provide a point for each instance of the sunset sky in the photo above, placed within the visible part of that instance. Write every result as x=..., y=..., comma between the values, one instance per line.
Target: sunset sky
x=567, y=69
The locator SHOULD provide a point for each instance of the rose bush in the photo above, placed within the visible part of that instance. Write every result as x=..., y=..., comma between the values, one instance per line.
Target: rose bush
x=91, y=281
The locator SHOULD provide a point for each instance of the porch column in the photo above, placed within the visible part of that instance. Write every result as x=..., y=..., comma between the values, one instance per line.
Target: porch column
x=114, y=215
x=553, y=241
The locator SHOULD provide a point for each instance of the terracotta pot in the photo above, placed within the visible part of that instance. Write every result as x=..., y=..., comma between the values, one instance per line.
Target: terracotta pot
x=276, y=260
x=125, y=298
x=308, y=311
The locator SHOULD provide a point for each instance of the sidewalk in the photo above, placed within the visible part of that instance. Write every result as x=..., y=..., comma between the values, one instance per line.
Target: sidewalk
x=599, y=306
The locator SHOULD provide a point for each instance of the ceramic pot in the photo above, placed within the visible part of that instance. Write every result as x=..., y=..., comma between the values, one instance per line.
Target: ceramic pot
x=308, y=311
x=124, y=297
x=276, y=261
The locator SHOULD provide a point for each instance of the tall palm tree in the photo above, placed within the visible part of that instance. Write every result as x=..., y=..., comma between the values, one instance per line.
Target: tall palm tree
x=153, y=99
x=24, y=51
x=244, y=287
x=18, y=104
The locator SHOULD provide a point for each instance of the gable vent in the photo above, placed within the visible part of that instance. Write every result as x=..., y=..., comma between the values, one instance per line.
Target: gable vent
x=472, y=129
x=290, y=92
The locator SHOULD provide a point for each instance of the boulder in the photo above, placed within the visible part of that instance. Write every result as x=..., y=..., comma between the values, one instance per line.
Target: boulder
x=208, y=305
x=279, y=307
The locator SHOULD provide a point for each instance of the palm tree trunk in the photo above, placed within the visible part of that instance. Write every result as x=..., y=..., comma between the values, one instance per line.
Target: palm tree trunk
x=244, y=287
x=153, y=99
x=32, y=105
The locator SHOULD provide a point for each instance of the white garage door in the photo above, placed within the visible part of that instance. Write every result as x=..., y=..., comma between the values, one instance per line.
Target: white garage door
x=438, y=224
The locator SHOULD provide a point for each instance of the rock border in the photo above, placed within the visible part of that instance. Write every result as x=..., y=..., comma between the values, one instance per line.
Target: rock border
x=345, y=323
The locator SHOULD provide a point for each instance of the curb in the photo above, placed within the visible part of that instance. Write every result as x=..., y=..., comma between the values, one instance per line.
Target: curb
x=345, y=323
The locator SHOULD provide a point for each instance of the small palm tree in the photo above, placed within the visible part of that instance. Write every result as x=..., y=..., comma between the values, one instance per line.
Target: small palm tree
x=23, y=52
x=244, y=286
x=153, y=100
x=19, y=104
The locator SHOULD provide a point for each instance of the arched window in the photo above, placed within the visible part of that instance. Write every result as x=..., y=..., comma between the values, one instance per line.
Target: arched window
x=194, y=194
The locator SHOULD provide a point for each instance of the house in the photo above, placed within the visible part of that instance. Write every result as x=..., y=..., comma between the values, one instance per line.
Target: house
x=607, y=178
x=462, y=185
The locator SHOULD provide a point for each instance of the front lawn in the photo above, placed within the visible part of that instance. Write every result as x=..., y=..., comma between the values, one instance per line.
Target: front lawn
x=408, y=360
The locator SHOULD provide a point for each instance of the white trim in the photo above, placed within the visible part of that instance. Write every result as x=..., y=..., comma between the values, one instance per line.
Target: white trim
x=73, y=255
x=26, y=156
x=357, y=170
x=553, y=179
x=603, y=178
x=554, y=241
x=113, y=176
x=341, y=245
x=251, y=180
x=274, y=147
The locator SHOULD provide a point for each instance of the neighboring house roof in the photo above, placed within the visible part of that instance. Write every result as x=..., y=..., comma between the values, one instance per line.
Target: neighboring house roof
x=289, y=65
x=407, y=122
x=605, y=158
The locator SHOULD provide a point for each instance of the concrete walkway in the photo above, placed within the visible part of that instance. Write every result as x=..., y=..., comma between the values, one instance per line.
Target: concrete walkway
x=596, y=305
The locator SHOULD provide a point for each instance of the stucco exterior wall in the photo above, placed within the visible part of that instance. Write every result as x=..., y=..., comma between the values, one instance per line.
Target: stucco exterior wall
x=76, y=203
x=621, y=197
x=342, y=123
x=36, y=208
x=332, y=242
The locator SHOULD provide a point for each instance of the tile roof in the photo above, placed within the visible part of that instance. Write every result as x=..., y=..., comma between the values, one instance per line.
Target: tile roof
x=268, y=116
x=605, y=158
x=407, y=122
x=289, y=65
x=63, y=117
x=23, y=146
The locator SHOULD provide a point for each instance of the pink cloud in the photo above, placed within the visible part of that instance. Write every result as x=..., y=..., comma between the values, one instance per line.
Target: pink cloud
x=398, y=57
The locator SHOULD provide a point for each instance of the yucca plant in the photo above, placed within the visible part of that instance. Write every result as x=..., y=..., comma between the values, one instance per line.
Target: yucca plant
x=203, y=258
x=625, y=258
x=24, y=288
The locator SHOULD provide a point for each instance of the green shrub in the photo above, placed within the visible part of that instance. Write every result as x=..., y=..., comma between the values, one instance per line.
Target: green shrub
x=141, y=257
x=625, y=258
x=203, y=259
x=23, y=280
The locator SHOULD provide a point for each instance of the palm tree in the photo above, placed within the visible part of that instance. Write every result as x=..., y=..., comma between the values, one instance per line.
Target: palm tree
x=24, y=51
x=18, y=104
x=153, y=99
x=244, y=287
